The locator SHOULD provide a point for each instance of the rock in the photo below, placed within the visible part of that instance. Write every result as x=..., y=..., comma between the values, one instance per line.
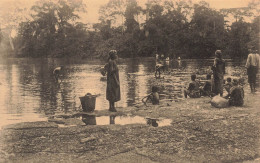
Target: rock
x=84, y=140
x=219, y=102
x=57, y=120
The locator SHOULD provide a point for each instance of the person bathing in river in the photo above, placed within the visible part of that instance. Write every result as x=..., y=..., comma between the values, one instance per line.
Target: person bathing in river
x=158, y=68
x=153, y=97
x=167, y=63
x=205, y=90
x=157, y=57
x=193, y=90
x=113, y=84
x=57, y=72
x=218, y=69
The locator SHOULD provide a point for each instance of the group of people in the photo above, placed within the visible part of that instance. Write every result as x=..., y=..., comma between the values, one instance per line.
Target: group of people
x=212, y=86
x=162, y=64
x=235, y=91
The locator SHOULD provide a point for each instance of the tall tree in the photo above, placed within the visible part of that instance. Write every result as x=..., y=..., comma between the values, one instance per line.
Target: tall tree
x=113, y=11
x=239, y=36
x=52, y=31
x=255, y=33
x=207, y=30
x=132, y=10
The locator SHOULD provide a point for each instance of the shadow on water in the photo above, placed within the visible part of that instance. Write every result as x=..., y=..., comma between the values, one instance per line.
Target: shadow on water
x=124, y=120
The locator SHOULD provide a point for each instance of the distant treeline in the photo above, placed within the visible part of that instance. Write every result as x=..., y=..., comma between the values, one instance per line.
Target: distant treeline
x=165, y=27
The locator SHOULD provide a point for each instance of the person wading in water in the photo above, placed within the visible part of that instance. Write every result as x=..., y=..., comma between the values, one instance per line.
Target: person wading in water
x=113, y=85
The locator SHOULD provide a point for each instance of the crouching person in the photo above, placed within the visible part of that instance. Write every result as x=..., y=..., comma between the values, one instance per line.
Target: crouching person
x=193, y=90
x=228, y=85
x=205, y=90
x=153, y=97
x=236, y=96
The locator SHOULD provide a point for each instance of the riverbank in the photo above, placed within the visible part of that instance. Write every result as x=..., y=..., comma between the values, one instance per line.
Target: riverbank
x=198, y=133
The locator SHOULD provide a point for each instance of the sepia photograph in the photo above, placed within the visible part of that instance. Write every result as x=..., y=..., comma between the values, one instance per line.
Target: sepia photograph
x=129, y=81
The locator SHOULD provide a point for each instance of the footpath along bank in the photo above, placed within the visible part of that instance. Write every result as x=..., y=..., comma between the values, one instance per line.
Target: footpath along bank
x=198, y=133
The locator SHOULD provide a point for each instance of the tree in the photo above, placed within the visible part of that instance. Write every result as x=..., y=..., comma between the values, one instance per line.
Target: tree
x=239, y=37
x=207, y=31
x=53, y=31
x=132, y=10
x=177, y=27
x=254, y=34
x=154, y=26
x=112, y=11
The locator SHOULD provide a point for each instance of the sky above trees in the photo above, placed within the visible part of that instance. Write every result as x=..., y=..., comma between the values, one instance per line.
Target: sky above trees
x=92, y=9
x=12, y=12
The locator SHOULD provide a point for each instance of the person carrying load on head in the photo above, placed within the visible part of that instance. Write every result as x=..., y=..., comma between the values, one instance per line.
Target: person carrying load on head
x=113, y=84
x=218, y=69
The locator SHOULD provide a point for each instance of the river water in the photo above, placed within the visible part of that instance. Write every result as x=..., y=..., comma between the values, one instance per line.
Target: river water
x=29, y=91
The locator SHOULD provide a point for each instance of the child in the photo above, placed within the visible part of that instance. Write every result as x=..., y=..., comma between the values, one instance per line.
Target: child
x=236, y=96
x=153, y=97
x=228, y=85
x=206, y=89
x=193, y=90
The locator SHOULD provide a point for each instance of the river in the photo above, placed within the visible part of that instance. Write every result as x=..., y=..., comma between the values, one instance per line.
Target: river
x=30, y=93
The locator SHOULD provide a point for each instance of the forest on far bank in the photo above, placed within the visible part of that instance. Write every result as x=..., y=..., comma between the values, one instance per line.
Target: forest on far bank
x=173, y=28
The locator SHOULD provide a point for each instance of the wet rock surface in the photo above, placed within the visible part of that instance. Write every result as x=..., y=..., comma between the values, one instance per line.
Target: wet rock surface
x=198, y=133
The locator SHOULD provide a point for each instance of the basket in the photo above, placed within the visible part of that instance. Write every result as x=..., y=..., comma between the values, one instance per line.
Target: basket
x=88, y=102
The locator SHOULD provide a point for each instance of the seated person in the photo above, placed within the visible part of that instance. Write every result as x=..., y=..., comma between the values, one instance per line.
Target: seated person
x=206, y=88
x=236, y=96
x=193, y=90
x=153, y=97
x=228, y=85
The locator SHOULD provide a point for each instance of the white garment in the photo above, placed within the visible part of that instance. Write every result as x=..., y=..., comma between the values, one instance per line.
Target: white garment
x=252, y=60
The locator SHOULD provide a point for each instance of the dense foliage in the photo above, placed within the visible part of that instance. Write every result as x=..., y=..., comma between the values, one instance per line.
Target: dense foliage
x=174, y=28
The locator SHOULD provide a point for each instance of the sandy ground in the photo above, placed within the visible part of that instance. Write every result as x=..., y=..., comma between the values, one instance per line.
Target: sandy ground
x=199, y=133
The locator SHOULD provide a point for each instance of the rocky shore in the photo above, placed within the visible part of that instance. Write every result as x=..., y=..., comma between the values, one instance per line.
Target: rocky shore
x=198, y=133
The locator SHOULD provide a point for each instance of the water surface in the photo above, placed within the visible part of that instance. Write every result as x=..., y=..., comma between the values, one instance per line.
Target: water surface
x=29, y=91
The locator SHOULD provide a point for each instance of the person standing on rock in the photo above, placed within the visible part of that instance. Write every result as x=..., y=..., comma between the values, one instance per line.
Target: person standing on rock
x=252, y=65
x=113, y=85
x=218, y=69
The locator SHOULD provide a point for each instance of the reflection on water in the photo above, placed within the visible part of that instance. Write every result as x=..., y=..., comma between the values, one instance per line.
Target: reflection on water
x=124, y=120
x=30, y=93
